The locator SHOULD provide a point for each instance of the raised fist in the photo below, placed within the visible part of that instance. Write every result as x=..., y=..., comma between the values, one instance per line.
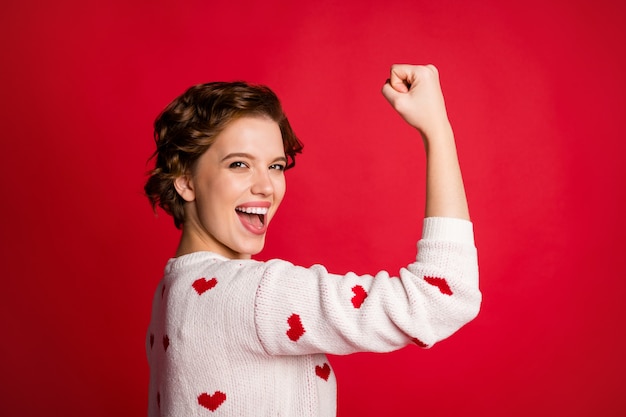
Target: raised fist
x=415, y=93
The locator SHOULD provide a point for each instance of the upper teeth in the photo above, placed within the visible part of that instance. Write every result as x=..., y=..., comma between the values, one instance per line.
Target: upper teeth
x=253, y=210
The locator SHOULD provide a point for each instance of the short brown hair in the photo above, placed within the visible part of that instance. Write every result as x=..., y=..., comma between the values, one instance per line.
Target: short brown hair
x=188, y=126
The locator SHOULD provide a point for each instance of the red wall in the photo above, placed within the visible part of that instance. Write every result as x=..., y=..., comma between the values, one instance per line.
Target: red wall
x=536, y=93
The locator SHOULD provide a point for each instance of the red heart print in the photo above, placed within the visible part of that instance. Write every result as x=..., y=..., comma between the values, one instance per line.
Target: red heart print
x=419, y=342
x=212, y=402
x=166, y=342
x=202, y=285
x=323, y=371
x=296, y=330
x=359, y=296
x=440, y=283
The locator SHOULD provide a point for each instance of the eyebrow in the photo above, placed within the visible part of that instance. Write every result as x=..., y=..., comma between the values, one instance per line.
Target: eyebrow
x=249, y=156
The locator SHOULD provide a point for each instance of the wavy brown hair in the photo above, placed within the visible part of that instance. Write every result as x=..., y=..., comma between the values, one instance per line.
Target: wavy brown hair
x=188, y=126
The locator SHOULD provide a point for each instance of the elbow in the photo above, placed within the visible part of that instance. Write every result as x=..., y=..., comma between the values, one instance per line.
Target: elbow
x=463, y=313
x=473, y=307
x=467, y=311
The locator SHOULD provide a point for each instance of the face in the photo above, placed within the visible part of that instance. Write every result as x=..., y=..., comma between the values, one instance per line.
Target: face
x=235, y=189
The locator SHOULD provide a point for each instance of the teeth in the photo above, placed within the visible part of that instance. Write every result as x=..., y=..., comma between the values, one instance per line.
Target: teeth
x=252, y=210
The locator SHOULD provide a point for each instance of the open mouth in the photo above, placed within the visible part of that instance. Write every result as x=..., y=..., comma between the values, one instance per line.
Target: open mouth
x=253, y=216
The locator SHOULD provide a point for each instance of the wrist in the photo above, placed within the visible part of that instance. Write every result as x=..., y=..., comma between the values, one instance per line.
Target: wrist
x=440, y=133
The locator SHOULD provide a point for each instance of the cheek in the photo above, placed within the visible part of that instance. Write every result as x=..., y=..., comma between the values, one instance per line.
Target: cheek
x=280, y=187
x=217, y=196
x=228, y=189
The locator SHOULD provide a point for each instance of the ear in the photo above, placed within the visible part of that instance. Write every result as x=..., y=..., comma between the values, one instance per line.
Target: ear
x=184, y=188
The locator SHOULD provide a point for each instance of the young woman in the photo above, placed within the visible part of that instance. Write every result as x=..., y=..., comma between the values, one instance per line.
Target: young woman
x=231, y=336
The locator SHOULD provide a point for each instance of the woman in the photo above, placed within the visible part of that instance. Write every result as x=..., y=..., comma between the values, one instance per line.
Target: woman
x=231, y=336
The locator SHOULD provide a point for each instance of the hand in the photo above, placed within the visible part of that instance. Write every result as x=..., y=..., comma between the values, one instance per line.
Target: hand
x=415, y=93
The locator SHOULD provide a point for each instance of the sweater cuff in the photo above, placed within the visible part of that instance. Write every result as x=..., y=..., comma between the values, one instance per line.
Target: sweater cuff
x=448, y=229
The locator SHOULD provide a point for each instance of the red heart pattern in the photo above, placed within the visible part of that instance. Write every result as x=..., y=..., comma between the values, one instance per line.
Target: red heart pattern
x=296, y=330
x=419, y=342
x=440, y=283
x=212, y=402
x=202, y=285
x=323, y=371
x=359, y=296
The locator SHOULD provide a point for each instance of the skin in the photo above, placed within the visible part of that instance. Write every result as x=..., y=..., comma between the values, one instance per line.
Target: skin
x=246, y=165
x=414, y=91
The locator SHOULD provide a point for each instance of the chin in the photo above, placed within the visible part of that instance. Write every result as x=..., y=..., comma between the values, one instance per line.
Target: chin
x=251, y=250
x=256, y=251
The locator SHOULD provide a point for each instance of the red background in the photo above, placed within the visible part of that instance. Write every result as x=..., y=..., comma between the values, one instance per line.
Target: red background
x=536, y=93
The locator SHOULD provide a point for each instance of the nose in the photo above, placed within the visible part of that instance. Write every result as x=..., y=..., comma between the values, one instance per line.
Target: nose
x=262, y=183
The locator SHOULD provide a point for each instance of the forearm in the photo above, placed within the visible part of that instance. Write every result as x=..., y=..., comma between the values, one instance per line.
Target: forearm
x=445, y=193
x=415, y=93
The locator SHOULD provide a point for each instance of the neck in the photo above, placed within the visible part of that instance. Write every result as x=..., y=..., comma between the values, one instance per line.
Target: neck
x=191, y=241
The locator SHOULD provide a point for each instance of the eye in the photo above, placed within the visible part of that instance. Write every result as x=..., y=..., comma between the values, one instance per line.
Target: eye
x=278, y=167
x=238, y=164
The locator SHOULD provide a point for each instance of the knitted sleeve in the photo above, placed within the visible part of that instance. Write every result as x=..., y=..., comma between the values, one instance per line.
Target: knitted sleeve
x=309, y=310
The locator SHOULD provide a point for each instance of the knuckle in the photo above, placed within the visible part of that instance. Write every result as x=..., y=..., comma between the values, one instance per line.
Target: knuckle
x=433, y=69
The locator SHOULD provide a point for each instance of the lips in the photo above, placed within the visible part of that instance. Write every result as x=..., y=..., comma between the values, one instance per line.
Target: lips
x=253, y=216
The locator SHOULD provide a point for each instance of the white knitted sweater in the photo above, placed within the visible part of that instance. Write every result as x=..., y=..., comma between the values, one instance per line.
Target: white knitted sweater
x=248, y=338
